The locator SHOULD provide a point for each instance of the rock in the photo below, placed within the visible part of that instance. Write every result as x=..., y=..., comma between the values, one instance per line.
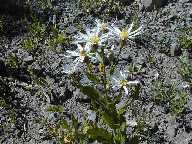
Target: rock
x=14, y=7
x=28, y=59
x=71, y=30
x=175, y=50
x=3, y=69
x=146, y=3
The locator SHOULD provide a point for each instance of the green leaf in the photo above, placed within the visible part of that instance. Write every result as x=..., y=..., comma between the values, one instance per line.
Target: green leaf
x=106, y=105
x=134, y=140
x=55, y=108
x=94, y=95
x=107, y=118
x=112, y=69
x=93, y=77
x=119, y=138
x=75, y=122
x=136, y=91
x=123, y=109
x=101, y=135
x=63, y=123
x=111, y=120
x=117, y=99
x=41, y=81
x=90, y=91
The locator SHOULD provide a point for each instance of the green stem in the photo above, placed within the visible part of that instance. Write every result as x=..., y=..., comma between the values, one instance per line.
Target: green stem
x=121, y=45
x=104, y=74
x=105, y=81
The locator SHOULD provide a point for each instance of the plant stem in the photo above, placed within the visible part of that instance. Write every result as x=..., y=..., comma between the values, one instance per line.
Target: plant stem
x=104, y=74
x=121, y=45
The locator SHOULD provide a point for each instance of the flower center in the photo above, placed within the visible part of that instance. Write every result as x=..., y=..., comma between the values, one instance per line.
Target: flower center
x=124, y=35
x=94, y=40
x=104, y=27
x=123, y=82
x=82, y=54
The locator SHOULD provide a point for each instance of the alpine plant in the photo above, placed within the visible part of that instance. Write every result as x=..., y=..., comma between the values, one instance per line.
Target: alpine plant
x=94, y=47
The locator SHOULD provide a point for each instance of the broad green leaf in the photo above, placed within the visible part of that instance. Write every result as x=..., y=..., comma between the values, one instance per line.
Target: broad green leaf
x=110, y=120
x=90, y=92
x=94, y=95
x=63, y=123
x=101, y=135
x=93, y=77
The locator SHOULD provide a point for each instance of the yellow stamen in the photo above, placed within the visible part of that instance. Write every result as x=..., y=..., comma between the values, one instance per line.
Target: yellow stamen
x=67, y=140
x=124, y=35
x=101, y=67
x=94, y=40
x=104, y=27
x=82, y=54
x=123, y=82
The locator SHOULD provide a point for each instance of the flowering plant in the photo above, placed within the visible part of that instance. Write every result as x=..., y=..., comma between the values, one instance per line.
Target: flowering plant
x=95, y=52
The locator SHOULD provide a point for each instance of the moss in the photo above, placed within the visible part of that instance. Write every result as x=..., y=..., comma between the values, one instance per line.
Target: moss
x=168, y=94
x=185, y=68
x=13, y=62
x=186, y=38
x=106, y=7
x=88, y=5
x=28, y=44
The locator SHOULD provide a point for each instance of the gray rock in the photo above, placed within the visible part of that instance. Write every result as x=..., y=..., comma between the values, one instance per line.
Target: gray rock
x=27, y=59
x=146, y=3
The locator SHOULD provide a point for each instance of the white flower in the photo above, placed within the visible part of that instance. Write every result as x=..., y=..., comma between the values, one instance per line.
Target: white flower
x=92, y=37
x=101, y=26
x=124, y=34
x=120, y=81
x=91, y=115
x=80, y=54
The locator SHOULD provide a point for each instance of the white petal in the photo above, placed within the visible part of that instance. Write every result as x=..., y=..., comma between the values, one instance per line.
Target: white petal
x=88, y=31
x=116, y=80
x=133, y=82
x=76, y=62
x=121, y=74
x=87, y=47
x=117, y=30
x=79, y=41
x=112, y=47
x=91, y=115
x=130, y=28
x=97, y=30
x=72, y=53
x=138, y=31
x=68, y=56
x=97, y=21
x=80, y=47
x=83, y=36
x=126, y=90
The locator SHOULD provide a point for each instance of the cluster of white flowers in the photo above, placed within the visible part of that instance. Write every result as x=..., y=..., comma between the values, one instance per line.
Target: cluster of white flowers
x=91, y=43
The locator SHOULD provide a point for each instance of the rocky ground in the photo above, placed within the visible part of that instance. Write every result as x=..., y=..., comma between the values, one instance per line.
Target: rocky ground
x=31, y=82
